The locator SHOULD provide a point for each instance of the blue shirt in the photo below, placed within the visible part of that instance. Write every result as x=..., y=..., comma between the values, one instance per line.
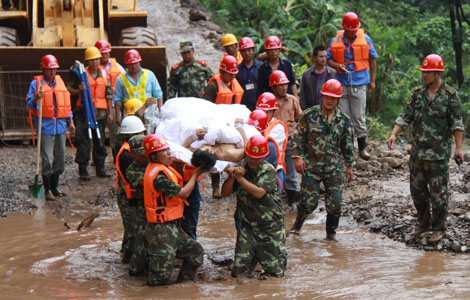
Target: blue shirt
x=264, y=72
x=353, y=78
x=152, y=87
x=249, y=76
x=48, y=126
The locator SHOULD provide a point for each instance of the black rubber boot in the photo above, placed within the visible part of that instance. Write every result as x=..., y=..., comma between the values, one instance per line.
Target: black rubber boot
x=291, y=197
x=55, y=186
x=46, y=181
x=187, y=273
x=361, y=144
x=299, y=221
x=332, y=221
x=83, y=172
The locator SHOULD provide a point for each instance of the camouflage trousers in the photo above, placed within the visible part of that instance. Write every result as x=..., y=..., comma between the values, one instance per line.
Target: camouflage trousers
x=310, y=192
x=125, y=210
x=266, y=246
x=166, y=242
x=138, y=263
x=428, y=187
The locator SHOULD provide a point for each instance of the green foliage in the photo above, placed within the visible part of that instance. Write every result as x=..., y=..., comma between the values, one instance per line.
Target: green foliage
x=377, y=130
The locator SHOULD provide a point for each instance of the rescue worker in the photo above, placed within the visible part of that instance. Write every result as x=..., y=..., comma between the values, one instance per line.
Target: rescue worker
x=135, y=174
x=289, y=113
x=164, y=198
x=126, y=200
x=138, y=83
x=230, y=45
x=273, y=63
x=56, y=114
x=188, y=77
x=313, y=79
x=435, y=115
x=248, y=75
x=262, y=234
x=351, y=53
x=102, y=95
x=322, y=135
x=223, y=88
x=113, y=71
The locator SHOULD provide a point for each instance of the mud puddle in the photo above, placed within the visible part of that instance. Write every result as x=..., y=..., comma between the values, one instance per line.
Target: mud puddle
x=41, y=259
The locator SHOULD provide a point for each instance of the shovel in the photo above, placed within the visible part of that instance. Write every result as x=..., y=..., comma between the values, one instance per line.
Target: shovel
x=37, y=190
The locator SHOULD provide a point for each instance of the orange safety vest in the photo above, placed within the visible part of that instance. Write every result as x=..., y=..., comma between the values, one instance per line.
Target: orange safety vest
x=360, y=50
x=158, y=208
x=97, y=90
x=226, y=95
x=114, y=72
x=62, y=99
x=239, y=57
x=281, y=155
x=130, y=192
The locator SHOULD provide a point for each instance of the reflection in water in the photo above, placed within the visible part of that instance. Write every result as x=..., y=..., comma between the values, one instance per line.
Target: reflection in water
x=41, y=259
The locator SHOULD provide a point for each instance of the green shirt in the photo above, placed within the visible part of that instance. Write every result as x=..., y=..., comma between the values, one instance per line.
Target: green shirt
x=320, y=144
x=135, y=174
x=432, y=122
x=166, y=186
x=188, y=80
x=266, y=212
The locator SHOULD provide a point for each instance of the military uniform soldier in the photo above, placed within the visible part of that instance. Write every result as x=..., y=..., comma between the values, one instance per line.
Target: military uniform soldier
x=135, y=174
x=189, y=77
x=434, y=114
x=322, y=134
x=262, y=235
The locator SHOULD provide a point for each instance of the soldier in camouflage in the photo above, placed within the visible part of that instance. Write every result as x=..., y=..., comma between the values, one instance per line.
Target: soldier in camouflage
x=262, y=235
x=189, y=77
x=434, y=114
x=321, y=136
x=135, y=174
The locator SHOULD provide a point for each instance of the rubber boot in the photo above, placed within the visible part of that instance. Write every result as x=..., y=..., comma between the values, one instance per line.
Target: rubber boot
x=299, y=221
x=215, y=178
x=332, y=221
x=188, y=272
x=46, y=181
x=83, y=172
x=361, y=143
x=55, y=186
x=291, y=197
x=101, y=172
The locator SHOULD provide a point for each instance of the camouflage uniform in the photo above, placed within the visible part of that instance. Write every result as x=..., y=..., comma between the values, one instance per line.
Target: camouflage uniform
x=432, y=125
x=320, y=144
x=188, y=80
x=262, y=236
x=167, y=241
x=138, y=263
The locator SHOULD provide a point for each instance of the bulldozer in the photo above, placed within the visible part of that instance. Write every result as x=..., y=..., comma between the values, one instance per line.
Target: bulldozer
x=29, y=29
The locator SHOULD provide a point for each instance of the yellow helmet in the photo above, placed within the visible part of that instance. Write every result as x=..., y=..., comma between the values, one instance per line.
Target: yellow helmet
x=131, y=106
x=229, y=39
x=92, y=53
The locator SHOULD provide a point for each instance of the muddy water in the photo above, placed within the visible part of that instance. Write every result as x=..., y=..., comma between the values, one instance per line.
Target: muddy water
x=41, y=259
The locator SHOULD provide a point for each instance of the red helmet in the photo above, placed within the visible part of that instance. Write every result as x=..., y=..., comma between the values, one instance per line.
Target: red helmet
x=49, y=62
x=351, y=22
x=154, y=143
x=132, y=56
x=278, y=77
x=246, y=43
x=103, y=46
x=229, y=64
x=267, y=101
x=332, y=88
x=432, y=62
x=272, y=42
x=258, y=119
x=257, y=147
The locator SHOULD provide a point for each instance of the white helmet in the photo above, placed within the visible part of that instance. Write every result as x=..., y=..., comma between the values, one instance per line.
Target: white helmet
x=131, y=124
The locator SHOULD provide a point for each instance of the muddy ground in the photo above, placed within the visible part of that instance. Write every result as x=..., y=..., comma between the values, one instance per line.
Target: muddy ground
x=378, y=199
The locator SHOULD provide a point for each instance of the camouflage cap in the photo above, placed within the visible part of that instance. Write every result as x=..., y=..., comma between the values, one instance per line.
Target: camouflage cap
x=186, y=46
x=136, y=144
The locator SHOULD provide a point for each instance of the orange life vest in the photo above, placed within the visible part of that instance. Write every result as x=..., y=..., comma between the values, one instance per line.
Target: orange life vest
x=158, y=208
x=226, y=95
x=281, y=153
x=239, y=57
x=62, y=99
x=360, y=50
x=114, y=72
x=130, y=192
x=97, y=90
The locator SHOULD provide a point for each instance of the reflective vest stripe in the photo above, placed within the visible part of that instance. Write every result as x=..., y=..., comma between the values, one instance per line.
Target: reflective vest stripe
x=137, y=91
